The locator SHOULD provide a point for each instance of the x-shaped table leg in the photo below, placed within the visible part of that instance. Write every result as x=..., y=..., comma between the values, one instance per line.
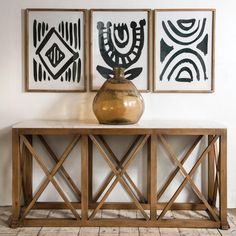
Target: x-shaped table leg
x=174, y=173
x=119, y=166
x=26, y=170
x=188, y=179
x=119, y=175
x=110, y=177
x=50, y=176
x=64, y=173
x=216, y=185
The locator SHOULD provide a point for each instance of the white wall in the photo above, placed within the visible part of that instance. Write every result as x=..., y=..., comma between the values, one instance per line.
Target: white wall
x=17, y=105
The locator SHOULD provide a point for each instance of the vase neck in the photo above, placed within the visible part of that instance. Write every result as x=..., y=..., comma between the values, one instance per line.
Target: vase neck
x=118, y=72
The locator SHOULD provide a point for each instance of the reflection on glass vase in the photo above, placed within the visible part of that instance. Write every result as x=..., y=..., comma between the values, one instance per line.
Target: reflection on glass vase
x=118, y=101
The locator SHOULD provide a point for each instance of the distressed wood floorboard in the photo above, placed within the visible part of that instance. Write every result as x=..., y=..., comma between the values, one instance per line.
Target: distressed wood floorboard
x=90, y=231
x=5, y=212
x=126, y=231
x=59, y=231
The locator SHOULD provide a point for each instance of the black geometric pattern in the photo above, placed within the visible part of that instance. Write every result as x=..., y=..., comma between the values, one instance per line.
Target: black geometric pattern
x=58, y=51
x=111, y=38
x=183, y=40
x=55, y=55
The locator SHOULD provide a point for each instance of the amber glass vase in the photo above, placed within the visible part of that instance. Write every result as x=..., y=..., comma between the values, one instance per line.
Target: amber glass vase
x=118, y=101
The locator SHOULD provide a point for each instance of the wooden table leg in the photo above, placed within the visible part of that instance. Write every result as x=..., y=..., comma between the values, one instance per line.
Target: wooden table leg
x=223, y=181
x=84, y=178
x=152, y=176
x=90, y=170
x=28, y=174
x=211, y=172
x=16, y=179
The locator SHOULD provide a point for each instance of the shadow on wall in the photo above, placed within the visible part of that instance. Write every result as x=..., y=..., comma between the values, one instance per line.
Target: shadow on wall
x=5, y=174
x=71, y=107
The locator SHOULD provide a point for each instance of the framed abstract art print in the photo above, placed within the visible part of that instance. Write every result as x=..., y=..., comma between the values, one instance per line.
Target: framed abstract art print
x=55, y=50
x=120, y=38
x=184, y=50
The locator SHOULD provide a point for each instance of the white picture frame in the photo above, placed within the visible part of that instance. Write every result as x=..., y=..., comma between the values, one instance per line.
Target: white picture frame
x=55, y=44
x=184, y=50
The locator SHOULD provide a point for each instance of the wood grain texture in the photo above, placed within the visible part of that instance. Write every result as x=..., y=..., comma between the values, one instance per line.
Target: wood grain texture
x=16, y=179
x=84, y=177
x=186, y=175
x=62, y=170
x=211, y=173
x=152, y=175
x=123, y=231
x=143, y=212
x=50, y=175
x=27, y=173
x=223, y=181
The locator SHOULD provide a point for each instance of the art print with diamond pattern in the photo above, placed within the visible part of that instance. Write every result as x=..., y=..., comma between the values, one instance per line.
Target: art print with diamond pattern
x=55, y=50
x=184, y=50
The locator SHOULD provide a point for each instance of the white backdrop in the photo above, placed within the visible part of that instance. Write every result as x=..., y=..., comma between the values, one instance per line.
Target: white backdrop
x=17, y=105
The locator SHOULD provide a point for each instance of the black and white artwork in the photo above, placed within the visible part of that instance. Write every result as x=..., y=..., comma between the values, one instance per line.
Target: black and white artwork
x=55, y=50
x=120, y=38
x=184, y=50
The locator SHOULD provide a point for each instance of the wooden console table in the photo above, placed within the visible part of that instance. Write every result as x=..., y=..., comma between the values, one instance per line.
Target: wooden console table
x=92, y=135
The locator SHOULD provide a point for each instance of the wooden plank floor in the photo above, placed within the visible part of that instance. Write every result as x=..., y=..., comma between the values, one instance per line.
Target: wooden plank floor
x=113, y=231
